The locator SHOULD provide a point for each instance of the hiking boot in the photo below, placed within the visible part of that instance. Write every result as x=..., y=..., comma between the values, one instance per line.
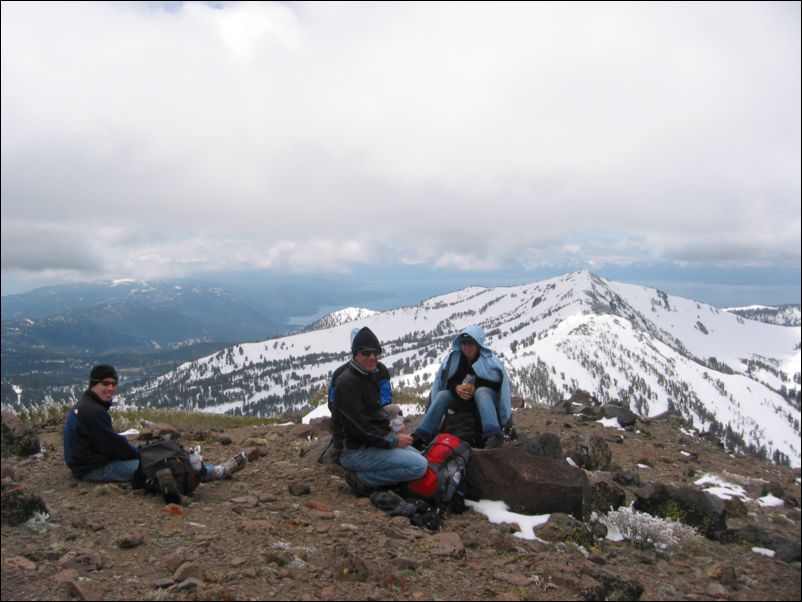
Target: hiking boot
x=168, y=486
x=229, y=467
x=494, y=441
x=358, y=488
x=510, y=432
x=418, y=443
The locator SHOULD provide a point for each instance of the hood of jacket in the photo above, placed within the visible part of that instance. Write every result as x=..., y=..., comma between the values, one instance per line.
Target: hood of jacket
x=487, y=366
x=477, y=334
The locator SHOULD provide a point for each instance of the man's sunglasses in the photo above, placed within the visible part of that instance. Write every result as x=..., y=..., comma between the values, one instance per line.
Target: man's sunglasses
x=370, y=352
x=109, y=383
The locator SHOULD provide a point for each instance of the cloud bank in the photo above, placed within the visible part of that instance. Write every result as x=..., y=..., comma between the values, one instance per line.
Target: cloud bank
x=152, y=140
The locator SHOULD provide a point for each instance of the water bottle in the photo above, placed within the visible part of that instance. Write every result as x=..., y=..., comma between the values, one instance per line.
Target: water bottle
x=397, y=423
x=468, y=384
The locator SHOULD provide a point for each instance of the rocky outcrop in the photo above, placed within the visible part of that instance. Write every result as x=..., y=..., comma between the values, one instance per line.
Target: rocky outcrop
x=625, y=416
x=699, y=509
x=16, y=439
x=252, y=537
x=527, y=483
x=590, y=453
x=19, y=504
x=546, y=445
x=784, y=548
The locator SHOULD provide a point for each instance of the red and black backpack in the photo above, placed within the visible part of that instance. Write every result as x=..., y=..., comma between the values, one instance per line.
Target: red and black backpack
x=443, y=484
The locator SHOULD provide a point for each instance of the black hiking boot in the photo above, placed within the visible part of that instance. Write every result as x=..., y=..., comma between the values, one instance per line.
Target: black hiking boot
x=358, y=488
x=494, y=441
x=168, y=486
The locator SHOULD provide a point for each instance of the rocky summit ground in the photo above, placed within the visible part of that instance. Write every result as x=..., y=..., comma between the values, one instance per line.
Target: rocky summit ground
x=287, y=527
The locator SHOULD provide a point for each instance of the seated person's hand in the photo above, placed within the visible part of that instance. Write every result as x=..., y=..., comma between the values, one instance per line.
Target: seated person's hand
x=465, y=391
x=403, y=441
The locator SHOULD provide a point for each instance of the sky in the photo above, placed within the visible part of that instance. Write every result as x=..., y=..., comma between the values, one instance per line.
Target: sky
x=158, y=140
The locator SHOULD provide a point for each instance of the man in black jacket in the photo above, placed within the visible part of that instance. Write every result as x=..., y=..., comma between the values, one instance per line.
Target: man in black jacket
x=337, y=430
x=93, y=450
x=373, y=453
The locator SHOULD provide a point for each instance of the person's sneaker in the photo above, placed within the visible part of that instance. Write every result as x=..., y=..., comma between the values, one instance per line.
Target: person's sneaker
x=358, y=488
x=494, y=442
x=229, y=467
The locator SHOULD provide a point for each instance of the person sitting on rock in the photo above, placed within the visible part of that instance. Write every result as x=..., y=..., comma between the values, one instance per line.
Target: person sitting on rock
x=374, y=455
x=95, y=452
x=470, y=371
x=337, y=431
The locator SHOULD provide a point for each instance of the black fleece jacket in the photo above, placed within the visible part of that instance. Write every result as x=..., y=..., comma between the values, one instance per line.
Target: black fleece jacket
x=358, y=395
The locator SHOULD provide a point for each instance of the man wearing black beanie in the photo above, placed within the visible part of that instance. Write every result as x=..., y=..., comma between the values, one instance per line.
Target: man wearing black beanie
x=373, y=454
x=93, y=450
x=332, y=454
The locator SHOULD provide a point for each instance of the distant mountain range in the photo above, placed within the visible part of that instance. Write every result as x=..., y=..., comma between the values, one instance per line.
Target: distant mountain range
x=129, y=315
x=51, y=336
x=782, y=315
x=734, y=377
x=137, y=316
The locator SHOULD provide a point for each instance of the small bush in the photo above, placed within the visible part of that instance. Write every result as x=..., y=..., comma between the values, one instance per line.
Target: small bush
x=647, y=531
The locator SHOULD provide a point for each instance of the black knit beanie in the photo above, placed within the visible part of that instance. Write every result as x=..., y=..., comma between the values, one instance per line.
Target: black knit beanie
x=365, y=339
x=101, y=372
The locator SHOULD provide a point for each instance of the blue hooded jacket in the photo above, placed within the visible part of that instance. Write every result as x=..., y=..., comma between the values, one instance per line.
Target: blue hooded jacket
x=487, y=367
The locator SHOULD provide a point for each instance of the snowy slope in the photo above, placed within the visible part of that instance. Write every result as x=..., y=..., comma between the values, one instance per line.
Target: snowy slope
x=617, y=341
x=342, y=316
x=784, y=315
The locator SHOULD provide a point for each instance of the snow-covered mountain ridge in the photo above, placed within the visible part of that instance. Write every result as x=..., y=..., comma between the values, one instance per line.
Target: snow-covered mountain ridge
x=654, y=351
x=784, y=315
x=341, y=316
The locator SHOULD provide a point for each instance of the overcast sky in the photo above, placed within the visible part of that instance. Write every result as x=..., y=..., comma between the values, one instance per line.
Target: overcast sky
x=159, y=139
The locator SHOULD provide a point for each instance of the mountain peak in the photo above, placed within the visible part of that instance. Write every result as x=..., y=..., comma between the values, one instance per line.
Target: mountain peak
x=341, y=316
x=636, y=345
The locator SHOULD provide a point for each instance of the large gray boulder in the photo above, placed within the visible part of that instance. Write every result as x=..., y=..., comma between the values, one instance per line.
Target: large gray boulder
x=526, y=483
x=625, y=416
x=545, y=444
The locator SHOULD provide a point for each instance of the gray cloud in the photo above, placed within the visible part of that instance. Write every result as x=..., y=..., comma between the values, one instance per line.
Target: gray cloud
x=313, y=135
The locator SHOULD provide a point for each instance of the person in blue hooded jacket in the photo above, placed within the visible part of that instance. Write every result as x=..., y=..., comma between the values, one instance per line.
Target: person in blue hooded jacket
x=470, y=371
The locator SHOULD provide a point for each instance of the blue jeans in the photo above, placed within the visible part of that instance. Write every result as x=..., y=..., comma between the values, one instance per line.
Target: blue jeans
x=486, y=400
x=378, y=467
x=116, y=470
x=207, y=474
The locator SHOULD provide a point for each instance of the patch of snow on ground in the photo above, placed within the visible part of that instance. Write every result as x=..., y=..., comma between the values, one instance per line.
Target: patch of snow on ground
x=610, y=422
x=322, y=411
x=498, y=512
x=769, y=500
x=720, y=488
